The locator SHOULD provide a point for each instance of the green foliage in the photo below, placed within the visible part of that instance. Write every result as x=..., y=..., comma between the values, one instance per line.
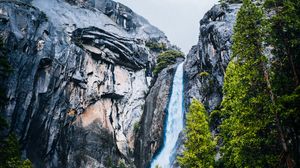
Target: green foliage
x=203, y=74
x=121, y=164
x=200, y=146
x=230, y=1
x=157, y=166
x=284, y=36
x=10, y=150
x=136, y=127
x=156, y=46
x=167, y=58
x=247, y=129
x=27, y=164
x=214, y=118
x=10, y=154
x=111, y=164
x=261, y=105
x=289, y=105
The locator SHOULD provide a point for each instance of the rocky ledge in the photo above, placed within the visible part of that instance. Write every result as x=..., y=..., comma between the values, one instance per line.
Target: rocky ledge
x=114, y=49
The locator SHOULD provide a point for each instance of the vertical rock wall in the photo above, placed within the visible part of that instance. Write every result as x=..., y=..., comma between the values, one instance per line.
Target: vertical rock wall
x=79, y=81
x=207, y=61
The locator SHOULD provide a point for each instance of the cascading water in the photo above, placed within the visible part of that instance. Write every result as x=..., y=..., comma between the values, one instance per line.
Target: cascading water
x=174, y=123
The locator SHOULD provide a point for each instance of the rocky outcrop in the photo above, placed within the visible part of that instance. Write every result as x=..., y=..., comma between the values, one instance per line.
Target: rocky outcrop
x=114, y=49
x=152, y=125
x=207, y=61
x=79, y=82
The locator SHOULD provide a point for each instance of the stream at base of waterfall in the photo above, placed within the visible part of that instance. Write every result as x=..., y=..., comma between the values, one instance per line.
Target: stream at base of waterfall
x=174, y=123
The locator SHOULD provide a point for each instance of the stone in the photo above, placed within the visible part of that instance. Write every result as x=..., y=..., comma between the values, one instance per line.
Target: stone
x=79, y=82
x=150, y=136
x=211, y=55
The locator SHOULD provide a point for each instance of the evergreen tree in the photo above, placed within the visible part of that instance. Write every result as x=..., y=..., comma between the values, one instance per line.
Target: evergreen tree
x=200, y=147
x=285, y=63
x=248, y=128
x=10, y=149
x=285, y=38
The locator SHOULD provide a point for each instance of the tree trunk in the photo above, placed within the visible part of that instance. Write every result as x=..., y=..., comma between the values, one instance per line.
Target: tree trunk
x=287, y=157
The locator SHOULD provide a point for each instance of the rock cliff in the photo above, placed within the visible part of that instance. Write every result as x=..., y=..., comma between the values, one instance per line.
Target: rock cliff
x=79, y=91
x=82, y=94
x=207, y=61
x=150, y=135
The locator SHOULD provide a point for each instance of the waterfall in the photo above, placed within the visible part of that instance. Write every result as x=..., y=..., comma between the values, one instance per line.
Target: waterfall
x=174, y=122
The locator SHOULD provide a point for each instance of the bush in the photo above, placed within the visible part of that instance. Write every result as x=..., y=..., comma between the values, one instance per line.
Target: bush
x=136, y=127
x=230, y=1
x=167, y=58
x=203, y=74
x=156, y=46
x=122, y=164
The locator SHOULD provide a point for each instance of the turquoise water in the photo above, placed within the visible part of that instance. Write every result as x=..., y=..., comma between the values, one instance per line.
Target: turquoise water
x=174, y=124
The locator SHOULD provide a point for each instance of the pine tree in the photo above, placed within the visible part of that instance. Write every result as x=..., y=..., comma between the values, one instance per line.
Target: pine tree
x=248, y=130
x=200, y=147
x=285, y=38
x=285, y=64
x=10, y=150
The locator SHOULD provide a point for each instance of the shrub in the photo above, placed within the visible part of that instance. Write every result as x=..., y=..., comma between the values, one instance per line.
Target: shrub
x=203, y=74
x=230, y=1
x=167, y=58
x=156, y=46
x=136, y=127
x=122, y=164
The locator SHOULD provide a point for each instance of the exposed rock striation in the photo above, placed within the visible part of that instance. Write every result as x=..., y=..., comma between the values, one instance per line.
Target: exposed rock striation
x=79, y=81
x=207, y=61
x=112, y=48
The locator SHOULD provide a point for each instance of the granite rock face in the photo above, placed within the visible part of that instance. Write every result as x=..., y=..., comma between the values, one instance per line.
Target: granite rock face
x=80, y=82
x=81, y=92
x=207, y=61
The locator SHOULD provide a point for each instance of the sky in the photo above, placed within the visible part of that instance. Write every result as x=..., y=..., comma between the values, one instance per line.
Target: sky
x=178, y=19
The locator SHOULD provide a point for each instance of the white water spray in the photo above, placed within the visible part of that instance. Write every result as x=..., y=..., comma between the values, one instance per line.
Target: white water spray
x=174, y=123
